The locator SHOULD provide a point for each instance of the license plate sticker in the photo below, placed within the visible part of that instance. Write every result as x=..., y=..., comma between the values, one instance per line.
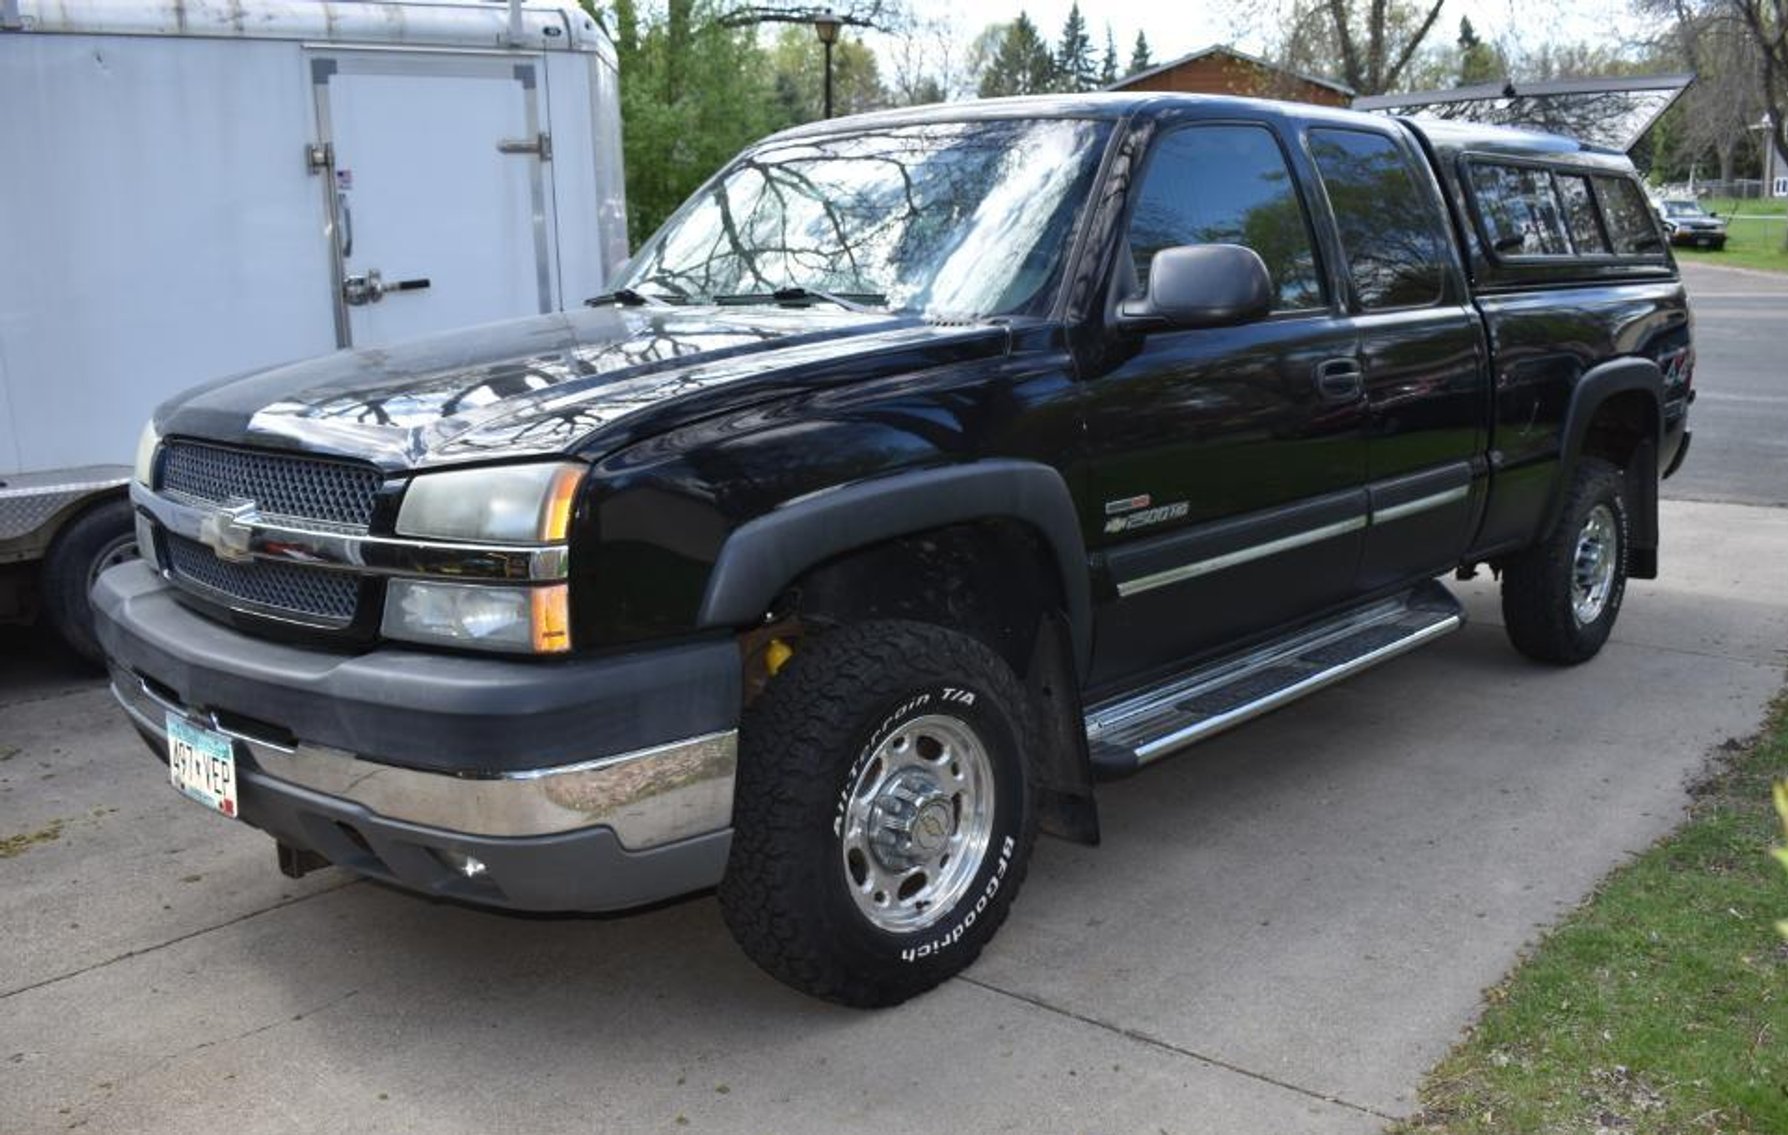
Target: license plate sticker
x=202, y=764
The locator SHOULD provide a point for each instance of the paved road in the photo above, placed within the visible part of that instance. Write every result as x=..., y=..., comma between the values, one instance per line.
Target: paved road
x=1284, y=930
x=1740, y=416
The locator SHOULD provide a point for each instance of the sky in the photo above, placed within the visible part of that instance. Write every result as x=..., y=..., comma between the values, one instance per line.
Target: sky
x=1178, y=28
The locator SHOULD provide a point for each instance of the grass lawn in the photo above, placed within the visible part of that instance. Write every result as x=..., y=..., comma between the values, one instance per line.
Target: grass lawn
x=1753, y=234
x=1661, y=1004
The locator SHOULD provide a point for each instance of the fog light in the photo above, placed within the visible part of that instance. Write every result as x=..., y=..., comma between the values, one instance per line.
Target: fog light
x=466, y=865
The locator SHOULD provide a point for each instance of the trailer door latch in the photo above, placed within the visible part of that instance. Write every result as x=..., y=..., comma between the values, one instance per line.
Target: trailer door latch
x=539, y=144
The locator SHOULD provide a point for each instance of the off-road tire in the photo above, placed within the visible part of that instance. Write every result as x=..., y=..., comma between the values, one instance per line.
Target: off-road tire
x=1538, y=607
x=808, y=746
x=99, y=538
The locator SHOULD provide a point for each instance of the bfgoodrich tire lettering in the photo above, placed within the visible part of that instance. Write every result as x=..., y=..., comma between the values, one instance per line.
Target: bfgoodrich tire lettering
x=883, y=817
x=1560, y=598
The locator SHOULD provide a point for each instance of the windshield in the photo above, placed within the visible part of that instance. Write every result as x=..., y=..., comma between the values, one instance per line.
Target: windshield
x=952, y=218
x=1683, y=209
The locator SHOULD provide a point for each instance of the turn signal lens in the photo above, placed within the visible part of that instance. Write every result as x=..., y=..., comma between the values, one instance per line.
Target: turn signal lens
x=555, y=516
x=552, y=619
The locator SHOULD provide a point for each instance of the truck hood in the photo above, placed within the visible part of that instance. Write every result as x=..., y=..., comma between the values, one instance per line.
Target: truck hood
x=586, y=382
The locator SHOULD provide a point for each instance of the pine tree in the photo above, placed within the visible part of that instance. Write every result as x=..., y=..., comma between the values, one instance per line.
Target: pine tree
x=1074, y=56
x=1140, y=59
x=1108, y=72
x=1477, y=60
x=1023, y=65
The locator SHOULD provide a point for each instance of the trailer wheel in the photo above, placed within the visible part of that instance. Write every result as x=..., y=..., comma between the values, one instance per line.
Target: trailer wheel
x=102, y=537
x=884, y=812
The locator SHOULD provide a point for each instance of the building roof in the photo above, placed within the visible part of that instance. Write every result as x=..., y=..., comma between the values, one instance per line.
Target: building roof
x=1225, y=49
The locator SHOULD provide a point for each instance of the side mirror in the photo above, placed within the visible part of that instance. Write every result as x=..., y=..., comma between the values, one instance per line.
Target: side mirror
x=1203, y=285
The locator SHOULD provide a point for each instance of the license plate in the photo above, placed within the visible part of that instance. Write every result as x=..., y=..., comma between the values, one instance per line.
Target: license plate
x=202, y=764
x=1703, y=241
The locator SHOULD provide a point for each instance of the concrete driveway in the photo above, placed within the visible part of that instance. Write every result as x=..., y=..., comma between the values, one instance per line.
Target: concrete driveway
x=1284, y=929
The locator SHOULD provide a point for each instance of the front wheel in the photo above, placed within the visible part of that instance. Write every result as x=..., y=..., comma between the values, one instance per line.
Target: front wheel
x=1560, y=597
x=883, y=817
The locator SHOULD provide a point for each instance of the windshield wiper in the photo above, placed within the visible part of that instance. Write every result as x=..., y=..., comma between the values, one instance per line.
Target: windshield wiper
x=866, y=302
x=670, y=293
x=628, y=297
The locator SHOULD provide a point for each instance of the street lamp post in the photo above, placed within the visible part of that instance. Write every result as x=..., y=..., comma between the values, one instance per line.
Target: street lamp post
x=826, y=23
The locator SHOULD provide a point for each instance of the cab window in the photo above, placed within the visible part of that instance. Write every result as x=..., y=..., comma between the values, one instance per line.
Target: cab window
x=1227, y=185
x=1390, y=229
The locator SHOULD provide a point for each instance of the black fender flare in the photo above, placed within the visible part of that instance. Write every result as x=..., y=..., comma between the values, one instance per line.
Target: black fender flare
x=764, y=555
x=1598, y=384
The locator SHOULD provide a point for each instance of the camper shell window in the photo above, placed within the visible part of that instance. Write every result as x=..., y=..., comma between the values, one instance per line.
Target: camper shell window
x=1538, y=213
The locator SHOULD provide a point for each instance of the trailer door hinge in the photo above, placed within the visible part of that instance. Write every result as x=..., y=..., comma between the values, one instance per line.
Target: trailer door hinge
x=540, y=144
x=319, y=156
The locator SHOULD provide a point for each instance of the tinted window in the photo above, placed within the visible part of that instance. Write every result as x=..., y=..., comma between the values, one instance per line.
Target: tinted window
x=1522, y=215
x=1630, y=225
x=1226, y=185
x=1580, y=214
x=1389, y=229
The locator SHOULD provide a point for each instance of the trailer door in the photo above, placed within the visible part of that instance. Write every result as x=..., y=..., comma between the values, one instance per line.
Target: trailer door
x=435, y=171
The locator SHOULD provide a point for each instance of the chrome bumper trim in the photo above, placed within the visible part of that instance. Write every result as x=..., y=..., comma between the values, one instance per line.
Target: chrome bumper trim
x=248, y=535
x=649, y=797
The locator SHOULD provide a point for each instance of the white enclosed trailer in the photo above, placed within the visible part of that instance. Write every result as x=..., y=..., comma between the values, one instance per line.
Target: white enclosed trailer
x=194, y=188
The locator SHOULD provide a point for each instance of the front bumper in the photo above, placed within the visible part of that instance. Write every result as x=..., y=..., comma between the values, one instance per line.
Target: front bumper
x=568, y=798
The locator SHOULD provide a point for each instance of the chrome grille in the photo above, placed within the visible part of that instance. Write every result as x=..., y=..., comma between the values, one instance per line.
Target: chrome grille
x=307, y=488
x=313, y=593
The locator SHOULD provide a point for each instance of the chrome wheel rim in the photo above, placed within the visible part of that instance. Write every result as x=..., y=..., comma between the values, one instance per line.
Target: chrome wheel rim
x=1593, y=565
x=917, y=823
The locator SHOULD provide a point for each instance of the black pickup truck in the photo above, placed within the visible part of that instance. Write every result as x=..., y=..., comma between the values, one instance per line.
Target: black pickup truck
x=925, y=469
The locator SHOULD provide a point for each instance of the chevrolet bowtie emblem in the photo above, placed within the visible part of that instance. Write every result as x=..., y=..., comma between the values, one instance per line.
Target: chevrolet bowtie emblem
x=226, y=529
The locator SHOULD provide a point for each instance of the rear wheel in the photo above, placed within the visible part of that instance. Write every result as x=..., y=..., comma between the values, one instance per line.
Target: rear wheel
x=100, y=538
x=883, y=817
x=1560, y=598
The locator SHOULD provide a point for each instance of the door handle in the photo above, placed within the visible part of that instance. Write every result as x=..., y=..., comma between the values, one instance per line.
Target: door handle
x=1340, y=380
x=358, y=291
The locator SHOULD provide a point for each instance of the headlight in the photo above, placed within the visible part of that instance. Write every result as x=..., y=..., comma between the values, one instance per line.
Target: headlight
x=531, y=620
x=509, y=504
x=147, y=443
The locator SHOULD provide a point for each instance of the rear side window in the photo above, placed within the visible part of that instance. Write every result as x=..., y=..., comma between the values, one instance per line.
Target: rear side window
x=1580, y=215
x=1227, y=185
x=1390, y=230
x=1630, y=226
x=1521, y=212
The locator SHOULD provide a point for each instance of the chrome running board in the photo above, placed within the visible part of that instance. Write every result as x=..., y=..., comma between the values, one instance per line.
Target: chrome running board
x=1137, y=729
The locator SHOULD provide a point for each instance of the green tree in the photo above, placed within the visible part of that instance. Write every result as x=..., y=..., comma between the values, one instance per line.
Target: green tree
x=1074, y=55
x=1478, y=61
x=1140, y=59
x=1022, y=65
x=693, y=93
x=1108, y=67
x=798, y=60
